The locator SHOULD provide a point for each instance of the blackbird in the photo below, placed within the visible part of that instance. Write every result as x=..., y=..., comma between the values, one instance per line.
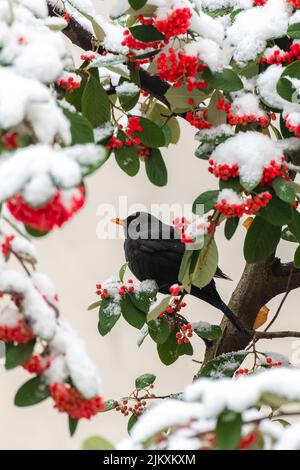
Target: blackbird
x=154, y=251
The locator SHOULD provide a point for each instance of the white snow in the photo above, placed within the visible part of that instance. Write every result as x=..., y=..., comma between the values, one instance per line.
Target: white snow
x=127, y=88
x=230, y=196
x=252, y=151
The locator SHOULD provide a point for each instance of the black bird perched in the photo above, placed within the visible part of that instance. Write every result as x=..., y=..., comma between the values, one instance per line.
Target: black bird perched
x=154, y=251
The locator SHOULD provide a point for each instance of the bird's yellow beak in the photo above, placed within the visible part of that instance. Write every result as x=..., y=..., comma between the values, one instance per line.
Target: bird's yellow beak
x=117, y=221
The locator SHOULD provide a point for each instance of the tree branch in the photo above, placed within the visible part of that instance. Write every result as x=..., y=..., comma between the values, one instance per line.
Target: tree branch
x=82, y=38
x=259, y=283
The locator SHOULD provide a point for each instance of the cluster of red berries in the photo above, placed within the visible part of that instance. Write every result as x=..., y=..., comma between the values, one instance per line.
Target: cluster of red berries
x=295, y=3
x=185, y=333
x=37, y=364
x=181, y=226
x=224, y=172
x=132, y=128
x=53, y=214
x=20, y=333
x=270, y=362
x=10, y=140
x=123, y=288
x=249, y=207
x=6, y=245
x=273, y=171
x=292, y=128
x=235, y=119
x=88, y=57
x=179, y=68
x=175, y=306
x=144, y=152
x=175, y=290
x=68, y=400
x=69, y=84
x=240, y=372
x=176, y=23
x=279, y=57
x=198, y=119
x=247, y=441
x=102, y=292
x=259, y=3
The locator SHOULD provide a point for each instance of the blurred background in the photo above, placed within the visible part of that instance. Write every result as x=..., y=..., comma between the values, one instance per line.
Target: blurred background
x=76, y=260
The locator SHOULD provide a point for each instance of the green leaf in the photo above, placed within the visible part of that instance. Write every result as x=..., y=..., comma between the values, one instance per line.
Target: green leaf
x=231, y=226
x=179, y=97
x=162, y=116
x=288, y=236
x=297, y=258
x=159, y=308
x=109, y=314
x=127, y=157
x=207, y=331
x=73, y=423
x=224, y=365
x=261, y=240
x=131, y=313
x=95, y=105
x=32, y=392
x=277, y=212
x=159, y=330
x=228, y=430
x=137, y=4
x=35, y=233
x=97, y=443
x=284, y=190
x=294, y=31
x=81, y=129
x=131, y=422
x=152, y=135
x=214, y=115
x=206, y=264
x=185, y=349
x=284, y=86
x=184, y=272
x=294, y=225
x=145, y=33
x=156, y=168
x=168, y=351
x=123, y=271
x=17, y=355
x=143, y=381
x=208, y=199
x=95, y=305
x=227, y=80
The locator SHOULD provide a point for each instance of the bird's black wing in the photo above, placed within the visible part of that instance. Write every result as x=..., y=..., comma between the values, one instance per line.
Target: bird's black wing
x=159, y=260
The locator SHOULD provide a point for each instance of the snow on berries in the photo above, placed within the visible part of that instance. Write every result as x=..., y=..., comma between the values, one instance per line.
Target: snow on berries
x=230, y=204
x=54, y=213
x=69, y=81
x=252, y=156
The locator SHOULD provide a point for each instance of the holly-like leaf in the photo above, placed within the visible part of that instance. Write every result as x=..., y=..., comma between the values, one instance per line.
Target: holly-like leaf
x=297, y=258
x=32, y=392
x=156, y=168
x=137, y=4
x=159, y=330
x=109, y=314
x=277, y=212
x=73, y=424
x=131, y=422
x=123, y=271
x=168, y=351
x=146, y=33
x=143, y=381
x=227, y=80
x=228, y=430
x=206, y=264
x=285, y=87
x=224, y=365
x=152, y=135
x=81, y=129
x=179, y=98
x=294, y=31
x=231, y=226
x=95, y=104
x=131, y=313
x=207, y=200
x=284, y=190
x=16, y=355
x=207, y=331
x=127, y=157
x=261, y=240
x=159, y=308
